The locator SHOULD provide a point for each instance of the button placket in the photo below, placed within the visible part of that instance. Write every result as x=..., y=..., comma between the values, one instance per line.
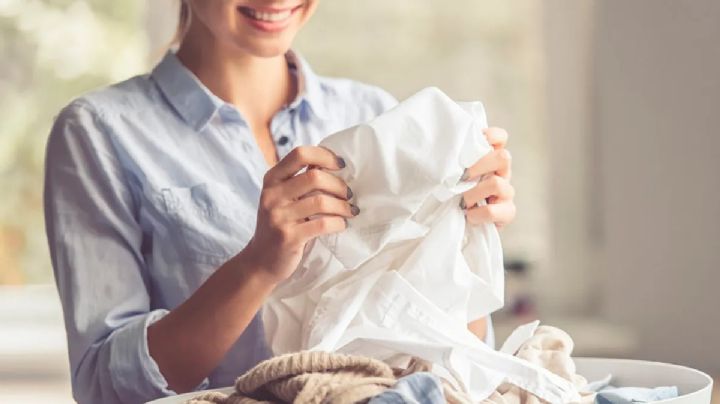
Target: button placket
x=279, y=129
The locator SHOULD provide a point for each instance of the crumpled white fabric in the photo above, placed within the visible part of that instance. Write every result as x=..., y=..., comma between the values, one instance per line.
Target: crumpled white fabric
x=407, y=275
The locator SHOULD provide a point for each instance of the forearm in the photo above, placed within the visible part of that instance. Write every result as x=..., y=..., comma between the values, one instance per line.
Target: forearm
x=192, y=339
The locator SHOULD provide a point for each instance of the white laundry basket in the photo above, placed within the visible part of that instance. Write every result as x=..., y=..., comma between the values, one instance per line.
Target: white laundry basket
x=695, y=387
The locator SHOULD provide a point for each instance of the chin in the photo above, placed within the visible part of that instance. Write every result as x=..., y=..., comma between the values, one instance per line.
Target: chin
x=265, y=48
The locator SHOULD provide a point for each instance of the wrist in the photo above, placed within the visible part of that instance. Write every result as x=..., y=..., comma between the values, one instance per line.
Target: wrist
x=252, y=265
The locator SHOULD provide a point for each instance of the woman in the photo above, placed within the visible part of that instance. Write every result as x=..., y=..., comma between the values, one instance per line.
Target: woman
x=176, y=201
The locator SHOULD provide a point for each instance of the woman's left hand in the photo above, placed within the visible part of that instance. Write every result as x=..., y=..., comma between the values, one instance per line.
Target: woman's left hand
x=494, y=169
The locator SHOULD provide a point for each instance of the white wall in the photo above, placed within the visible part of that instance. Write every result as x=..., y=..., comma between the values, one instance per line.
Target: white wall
x=656, y=154
x=565, y=286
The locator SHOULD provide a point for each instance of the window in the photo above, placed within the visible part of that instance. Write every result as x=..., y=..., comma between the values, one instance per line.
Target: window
x=53, y=51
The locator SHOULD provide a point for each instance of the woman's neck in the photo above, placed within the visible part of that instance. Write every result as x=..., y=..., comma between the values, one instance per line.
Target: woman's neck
x=258, y=87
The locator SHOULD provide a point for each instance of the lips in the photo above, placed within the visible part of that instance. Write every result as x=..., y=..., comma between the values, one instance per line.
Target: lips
x=265, y=16
x=268, y=19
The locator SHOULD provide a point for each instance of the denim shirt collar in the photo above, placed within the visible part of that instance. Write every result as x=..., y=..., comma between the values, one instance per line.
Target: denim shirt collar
x=196, y=104
x=310, y=91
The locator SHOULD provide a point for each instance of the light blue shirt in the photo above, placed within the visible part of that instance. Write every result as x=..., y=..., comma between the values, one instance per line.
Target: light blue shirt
x=152, y=184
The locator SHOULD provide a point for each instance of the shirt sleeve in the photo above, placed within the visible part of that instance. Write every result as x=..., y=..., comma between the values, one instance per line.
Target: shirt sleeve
x=95, y=240
x=384, y=99
x=377, y=100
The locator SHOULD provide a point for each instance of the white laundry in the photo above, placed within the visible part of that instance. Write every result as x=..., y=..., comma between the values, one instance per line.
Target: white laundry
x=549, y=347
x=408, y=275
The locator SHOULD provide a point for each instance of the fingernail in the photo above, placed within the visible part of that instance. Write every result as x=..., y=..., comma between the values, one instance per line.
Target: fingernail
x=464, y=175
x=462, y=204
x=349, y=193
x=354, y=210
x=341, y=162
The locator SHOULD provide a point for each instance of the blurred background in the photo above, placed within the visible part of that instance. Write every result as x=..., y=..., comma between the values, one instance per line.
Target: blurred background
x=613, y=109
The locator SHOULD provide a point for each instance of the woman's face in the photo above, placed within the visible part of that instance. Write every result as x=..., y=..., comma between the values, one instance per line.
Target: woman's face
x=263, y=28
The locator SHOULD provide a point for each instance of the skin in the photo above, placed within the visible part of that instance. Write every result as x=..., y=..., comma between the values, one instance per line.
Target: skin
x=246, y=67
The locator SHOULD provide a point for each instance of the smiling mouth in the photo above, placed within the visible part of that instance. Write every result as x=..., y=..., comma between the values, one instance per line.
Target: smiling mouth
x=267, y=15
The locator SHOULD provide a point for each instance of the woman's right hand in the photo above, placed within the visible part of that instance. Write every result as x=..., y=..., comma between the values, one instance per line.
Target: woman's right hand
x=295, y=208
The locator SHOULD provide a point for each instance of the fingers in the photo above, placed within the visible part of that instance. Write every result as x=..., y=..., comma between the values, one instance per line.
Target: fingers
x=497, y=137
x=500, y=208
x=495, y=170
x=495, y=187
x=300, y=207
x=326, y=214
x=299, y=158
x=315, y=180
x=320, y=204
x=498, y=213
x=497, y=161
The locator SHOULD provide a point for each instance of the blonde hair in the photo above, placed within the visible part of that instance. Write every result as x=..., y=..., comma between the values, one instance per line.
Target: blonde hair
x=184, y=19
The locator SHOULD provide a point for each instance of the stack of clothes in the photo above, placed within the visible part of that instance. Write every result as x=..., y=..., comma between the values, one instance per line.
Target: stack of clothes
x=321, y=377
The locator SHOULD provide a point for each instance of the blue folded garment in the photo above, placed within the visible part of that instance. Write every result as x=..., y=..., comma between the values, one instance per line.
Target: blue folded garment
x=629, y=395
x=417, y=388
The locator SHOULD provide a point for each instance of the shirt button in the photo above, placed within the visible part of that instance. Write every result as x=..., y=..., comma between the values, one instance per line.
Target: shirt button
x=283, y=140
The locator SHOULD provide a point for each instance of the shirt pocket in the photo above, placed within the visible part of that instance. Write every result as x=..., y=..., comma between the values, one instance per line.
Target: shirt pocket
x=207, y=223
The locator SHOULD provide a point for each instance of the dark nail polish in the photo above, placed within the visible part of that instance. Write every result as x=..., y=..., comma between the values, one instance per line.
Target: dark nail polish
x=341, y=162
x=462, y=204
x=349, y=193
x=354, y=210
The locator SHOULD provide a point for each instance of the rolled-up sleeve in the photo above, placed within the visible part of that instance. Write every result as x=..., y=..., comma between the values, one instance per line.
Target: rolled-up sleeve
x=95, y=242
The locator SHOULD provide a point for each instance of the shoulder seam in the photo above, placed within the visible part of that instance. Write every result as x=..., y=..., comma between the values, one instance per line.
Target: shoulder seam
x=101, y=120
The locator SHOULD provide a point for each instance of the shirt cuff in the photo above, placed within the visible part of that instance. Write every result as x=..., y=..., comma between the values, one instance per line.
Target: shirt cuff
x=135, y=374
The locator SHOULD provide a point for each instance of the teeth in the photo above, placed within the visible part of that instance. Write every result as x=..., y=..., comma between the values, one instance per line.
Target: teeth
x=270, y=17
